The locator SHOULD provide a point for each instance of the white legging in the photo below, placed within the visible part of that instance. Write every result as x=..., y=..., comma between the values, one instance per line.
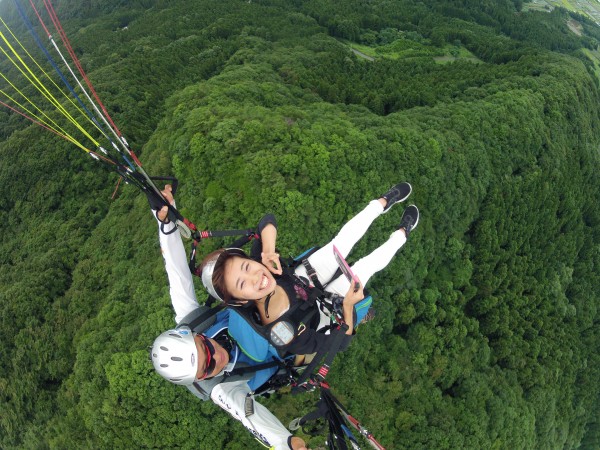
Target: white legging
x=325, y=264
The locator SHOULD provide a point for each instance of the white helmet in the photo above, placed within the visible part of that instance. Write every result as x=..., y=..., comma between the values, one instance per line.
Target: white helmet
x=175, y=356
x=209, y=268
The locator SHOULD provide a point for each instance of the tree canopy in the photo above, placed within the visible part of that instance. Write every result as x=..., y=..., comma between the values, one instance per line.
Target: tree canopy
x=487, y=324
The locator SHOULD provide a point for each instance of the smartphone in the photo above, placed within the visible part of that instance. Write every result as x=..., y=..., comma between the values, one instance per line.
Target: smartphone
x=346, y=270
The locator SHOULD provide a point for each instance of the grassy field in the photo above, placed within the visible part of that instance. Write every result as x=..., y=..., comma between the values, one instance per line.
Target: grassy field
x=403, y=48
x=365, y=49
x=406, y=48
x=566, y=4
x=454, y=53
x=590, y=8
x=595, y=57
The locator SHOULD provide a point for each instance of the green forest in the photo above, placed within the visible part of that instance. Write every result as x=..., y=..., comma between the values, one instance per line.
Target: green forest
x=487, y=332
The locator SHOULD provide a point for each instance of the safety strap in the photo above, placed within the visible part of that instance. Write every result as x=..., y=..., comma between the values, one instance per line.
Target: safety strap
x=312, y=274
x=339, y=420
x=327, y=408
x=204, y=316
x=255, y=368
x=328, y=353
x=328, y=302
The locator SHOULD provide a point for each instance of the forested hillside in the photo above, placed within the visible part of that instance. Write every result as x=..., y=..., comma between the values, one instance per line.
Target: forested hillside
x=487, y=329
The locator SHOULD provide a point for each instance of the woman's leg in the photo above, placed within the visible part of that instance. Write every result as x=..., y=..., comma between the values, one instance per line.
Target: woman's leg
x=379, y=258
x=366, y=267
x=323, y=260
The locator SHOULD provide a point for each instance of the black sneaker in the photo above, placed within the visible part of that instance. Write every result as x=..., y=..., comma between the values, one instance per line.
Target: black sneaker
x=396, y=194
x=410, y=219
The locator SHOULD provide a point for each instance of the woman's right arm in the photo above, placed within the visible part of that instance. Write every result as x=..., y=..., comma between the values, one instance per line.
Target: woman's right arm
x=267, y=229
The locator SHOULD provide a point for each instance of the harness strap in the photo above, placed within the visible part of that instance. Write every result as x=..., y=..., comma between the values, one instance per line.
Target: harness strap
x=312, y=274
x=328, y=302
x=256, y=368
x=328, y=354
x=162, y=229
x=204, y=316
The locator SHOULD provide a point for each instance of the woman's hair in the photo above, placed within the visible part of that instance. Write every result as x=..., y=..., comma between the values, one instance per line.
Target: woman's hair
x=218, y=276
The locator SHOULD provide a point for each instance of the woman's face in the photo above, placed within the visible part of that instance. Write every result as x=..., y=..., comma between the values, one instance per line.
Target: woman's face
x=246, y=279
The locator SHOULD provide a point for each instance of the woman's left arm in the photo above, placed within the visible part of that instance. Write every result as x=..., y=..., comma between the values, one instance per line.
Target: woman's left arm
x=353, y=296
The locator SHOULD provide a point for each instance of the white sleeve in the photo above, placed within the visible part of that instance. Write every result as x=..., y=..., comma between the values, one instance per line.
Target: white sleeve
x=262, y=424
x=181, y=284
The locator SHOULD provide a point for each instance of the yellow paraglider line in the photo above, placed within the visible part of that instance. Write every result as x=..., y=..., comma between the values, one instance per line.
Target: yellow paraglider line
x=58, y=130
x=131, y=172
x=27, y=99
x=77, y=107
x=34, y=80
x=19, y=57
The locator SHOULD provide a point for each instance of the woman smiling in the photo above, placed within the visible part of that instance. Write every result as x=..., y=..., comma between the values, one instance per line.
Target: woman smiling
x=293, y=309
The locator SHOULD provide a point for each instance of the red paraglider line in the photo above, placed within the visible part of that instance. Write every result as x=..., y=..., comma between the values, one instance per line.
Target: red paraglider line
x=71, y=52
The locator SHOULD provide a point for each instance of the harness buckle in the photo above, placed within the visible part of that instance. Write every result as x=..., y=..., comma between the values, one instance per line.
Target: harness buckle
x=337, y=305
x=312, y=274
